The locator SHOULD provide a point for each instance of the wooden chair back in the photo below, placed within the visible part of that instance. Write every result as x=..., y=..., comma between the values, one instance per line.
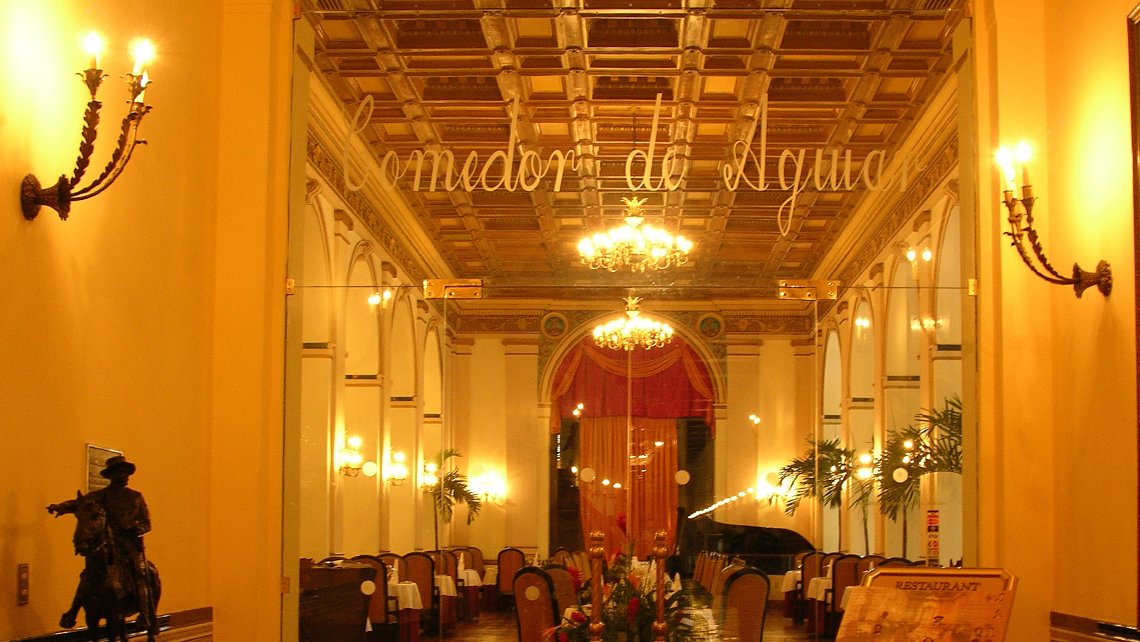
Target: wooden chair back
x=867, y=563
x=510, y=561
x=534, y=603
x=744, y=606
x=844, y=573
x=564, y=594
x=379, y=610
x=811, y=567
x=894, y=561
x=421, y=570
x=395, y=562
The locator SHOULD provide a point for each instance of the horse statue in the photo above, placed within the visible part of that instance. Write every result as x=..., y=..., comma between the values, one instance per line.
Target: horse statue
x=108, y=586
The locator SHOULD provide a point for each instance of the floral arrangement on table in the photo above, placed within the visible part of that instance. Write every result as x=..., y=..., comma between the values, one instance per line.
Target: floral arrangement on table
x=629, y=606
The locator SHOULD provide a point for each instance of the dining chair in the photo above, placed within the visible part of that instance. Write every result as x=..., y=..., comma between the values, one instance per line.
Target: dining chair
x=421, y=571
x=395, y=565
x=510, y=561
x=564, y=594
x=332, y=607
x=811, y=566
x=744, y=606
x=535, y=606
x=844, y=573
x=383, y=609
x=560, y=556
x=446, y=565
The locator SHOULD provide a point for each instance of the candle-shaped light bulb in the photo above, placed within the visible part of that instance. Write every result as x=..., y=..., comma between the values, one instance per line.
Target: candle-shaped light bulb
x=1024, y=153
x=143, y=82
x=1004, y=159
x=143, y=52
x=93, y=45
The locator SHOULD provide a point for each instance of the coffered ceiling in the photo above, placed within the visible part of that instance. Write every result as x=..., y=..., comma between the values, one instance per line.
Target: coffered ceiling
x=445, y=75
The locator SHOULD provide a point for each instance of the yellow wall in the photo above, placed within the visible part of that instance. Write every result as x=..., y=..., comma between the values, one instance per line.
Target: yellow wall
x=151, y=320
x=1058, y=479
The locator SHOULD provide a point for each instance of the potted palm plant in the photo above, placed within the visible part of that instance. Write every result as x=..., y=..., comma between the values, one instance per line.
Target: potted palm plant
x=932, y=445
x=821, y=472
x=451, y=489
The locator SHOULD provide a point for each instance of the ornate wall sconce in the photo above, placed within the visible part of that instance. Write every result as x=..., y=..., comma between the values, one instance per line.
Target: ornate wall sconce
x=352, y=462
x=490, y=487
x=66, y=190
x=1021, y=228
x=396, y=470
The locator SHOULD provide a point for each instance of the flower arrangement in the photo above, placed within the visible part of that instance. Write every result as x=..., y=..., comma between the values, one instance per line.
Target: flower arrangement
x=628, y=608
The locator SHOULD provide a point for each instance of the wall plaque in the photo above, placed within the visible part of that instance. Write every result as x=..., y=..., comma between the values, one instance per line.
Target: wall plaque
x=96, y=460
x=929, y=605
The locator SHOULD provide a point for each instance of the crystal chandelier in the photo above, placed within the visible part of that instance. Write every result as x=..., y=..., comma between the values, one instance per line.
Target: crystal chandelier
x=634, y=245
x=632, y=331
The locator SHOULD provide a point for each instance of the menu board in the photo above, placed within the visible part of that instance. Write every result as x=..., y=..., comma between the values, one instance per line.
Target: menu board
x=929, y=605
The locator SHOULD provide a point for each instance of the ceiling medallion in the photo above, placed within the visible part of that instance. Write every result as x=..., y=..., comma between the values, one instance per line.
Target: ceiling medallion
x=634, y=245
x=632, y=331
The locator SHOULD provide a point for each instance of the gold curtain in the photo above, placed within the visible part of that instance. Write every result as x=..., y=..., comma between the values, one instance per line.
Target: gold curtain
x=629, y=454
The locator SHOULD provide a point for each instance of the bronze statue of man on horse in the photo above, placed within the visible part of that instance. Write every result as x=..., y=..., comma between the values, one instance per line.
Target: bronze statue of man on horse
x=117, y=580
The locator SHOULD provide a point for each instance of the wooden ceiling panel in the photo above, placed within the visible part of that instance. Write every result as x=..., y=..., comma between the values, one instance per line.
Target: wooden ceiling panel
x=837, y=74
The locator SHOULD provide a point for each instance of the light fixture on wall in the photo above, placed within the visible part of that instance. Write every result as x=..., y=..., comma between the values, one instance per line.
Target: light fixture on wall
x=754, y=418
x=634, y=245
x=352, y=462
x=66, y=190
x=490, y=487
x=429, y=479
x=1022, y=232
x=381, y=298
x=396, y=470
x=927, y=324
x=862, y=323
x=632, y=331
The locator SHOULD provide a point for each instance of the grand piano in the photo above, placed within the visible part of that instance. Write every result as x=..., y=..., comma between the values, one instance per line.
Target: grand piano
x=767, y=548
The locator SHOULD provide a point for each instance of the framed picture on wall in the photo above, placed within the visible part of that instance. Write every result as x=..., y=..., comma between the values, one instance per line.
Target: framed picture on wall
x=96, y=459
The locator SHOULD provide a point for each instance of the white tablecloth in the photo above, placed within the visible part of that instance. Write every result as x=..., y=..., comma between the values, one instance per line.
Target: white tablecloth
x=446, y=585
x=817, y=588
x=791, y=580
x=407, y=595
x=491, y=575
x=470, y=577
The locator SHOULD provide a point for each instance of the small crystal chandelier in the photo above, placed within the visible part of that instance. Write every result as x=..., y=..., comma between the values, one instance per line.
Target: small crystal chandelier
x=634, y=245
x=632, y=331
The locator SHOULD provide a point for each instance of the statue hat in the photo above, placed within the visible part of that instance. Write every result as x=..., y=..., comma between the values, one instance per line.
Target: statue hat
x=115, y=463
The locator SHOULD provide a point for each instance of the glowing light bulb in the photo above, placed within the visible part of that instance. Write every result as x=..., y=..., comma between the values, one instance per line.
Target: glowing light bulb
x=143, y=53
x=93, y=44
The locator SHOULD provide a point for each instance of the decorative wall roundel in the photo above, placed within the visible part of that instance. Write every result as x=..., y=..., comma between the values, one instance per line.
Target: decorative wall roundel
x=554, y=325
x=710, y=326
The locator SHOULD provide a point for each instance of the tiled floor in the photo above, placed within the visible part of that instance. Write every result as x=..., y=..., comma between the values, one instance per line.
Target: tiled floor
x=499, y=626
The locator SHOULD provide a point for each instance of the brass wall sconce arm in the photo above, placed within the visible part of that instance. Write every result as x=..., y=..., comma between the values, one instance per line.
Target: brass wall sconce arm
x=66, y=190
x=1022, y=233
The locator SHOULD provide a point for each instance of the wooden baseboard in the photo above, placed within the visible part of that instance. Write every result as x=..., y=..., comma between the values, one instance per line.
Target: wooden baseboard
x=1074, y=628
x=192, y=625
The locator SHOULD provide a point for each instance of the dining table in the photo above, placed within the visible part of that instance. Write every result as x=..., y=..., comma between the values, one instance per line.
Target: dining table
x=408, y=604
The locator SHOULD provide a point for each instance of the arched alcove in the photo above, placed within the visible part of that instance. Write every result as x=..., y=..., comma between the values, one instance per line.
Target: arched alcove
x=901, y=383
x=861, y=418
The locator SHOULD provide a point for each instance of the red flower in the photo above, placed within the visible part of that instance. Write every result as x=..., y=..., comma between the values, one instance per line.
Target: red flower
x=633, y=608
x=577, y=617
x=575, y=578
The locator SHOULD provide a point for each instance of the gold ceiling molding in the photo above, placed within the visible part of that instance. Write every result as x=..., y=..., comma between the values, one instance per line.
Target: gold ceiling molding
x=330, y=168
x=928, y=184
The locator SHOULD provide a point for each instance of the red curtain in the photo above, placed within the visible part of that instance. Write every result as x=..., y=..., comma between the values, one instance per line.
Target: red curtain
x=641, y=456
x=669, y=382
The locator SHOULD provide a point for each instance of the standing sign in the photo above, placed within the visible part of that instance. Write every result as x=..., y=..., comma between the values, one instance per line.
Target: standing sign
x=929, y=605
